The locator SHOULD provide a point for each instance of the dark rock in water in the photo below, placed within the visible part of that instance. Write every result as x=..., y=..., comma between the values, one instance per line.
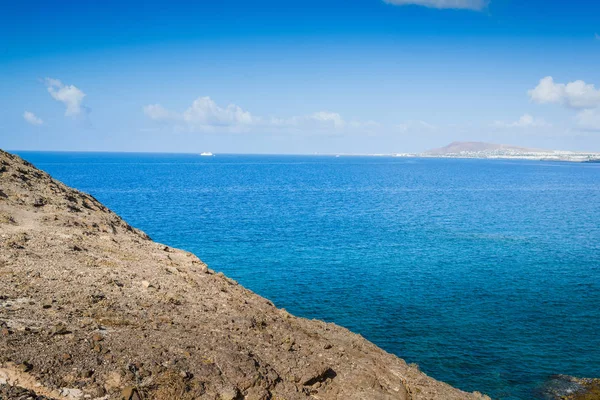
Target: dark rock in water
x=564, y=387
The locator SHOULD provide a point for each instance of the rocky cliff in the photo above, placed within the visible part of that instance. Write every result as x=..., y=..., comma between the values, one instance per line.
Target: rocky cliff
x=91, y=308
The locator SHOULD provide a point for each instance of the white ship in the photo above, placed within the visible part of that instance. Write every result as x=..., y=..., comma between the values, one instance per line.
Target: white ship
x=206, y=154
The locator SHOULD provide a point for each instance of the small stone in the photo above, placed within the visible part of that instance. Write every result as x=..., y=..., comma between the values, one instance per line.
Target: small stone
x=327, y=346
x=26, y=366
x=172, y=270
x=186, y=375
x=60, y=329
x=88, y=373
x=146, y=284
x=5, y=332
x=202, y=266
x=66, y=356
x=229, y=393
x=130, y=393
x=71, y=393
x=3, y=378
x=98, y=297
x=136, y=366
x=39, y=202
x=96, y=391
x=69, y=379
x=174, y=299
x=144, y=373
x=97, y=337
x=112, y=381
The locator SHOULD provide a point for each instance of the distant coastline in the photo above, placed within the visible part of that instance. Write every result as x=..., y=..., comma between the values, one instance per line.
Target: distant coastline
x=460, y=150
x=483, y=150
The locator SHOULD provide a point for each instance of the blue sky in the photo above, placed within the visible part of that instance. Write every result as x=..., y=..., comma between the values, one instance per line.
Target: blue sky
x=328, y=76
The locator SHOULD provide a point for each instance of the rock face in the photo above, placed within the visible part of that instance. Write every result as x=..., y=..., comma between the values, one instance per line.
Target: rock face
x=92, y=308
x=563, y=387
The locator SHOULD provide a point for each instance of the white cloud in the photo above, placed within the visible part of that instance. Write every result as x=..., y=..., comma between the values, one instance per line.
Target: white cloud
x=69, y=95
x=476, y=5
x=329, y=118
x=574, y=95
x=577, y=94
x=589, y=119
x=319, y=120
x=416, y=125
x=158, y=113
x=546, y=91
x=526, y=121
x=32, y=118
x=369, y=125
x=205, y=115
x=205, y=112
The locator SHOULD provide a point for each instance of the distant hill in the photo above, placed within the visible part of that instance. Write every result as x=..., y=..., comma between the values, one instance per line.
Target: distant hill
x=478, y=147
x=503, y=151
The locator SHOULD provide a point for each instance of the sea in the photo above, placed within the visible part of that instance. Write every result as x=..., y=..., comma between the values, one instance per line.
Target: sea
x=485, y=273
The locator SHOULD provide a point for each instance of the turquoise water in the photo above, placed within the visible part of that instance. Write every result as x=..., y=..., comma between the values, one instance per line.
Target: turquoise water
x=484, y=272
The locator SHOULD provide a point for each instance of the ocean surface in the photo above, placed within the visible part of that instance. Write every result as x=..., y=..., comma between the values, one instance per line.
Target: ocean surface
x=486, y=273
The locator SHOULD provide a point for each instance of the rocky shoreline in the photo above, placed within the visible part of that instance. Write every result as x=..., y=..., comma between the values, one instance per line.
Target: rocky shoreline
x=91, y=308
x=564, y=387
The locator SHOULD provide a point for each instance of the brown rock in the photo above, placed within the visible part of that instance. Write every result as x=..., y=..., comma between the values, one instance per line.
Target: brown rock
x=97, y=337
x=112, y=381
x=25, y=366
x=130, y=393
